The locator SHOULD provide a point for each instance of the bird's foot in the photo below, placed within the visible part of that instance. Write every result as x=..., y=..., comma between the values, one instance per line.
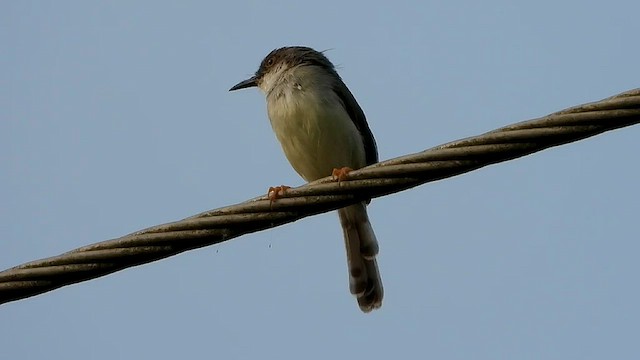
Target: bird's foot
x=341, y=174
x=276, y=192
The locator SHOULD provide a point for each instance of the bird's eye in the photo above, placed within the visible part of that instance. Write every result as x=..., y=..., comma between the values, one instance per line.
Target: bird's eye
x=270, y=62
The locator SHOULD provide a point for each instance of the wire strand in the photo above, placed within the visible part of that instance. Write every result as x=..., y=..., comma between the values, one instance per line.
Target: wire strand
x=324, y=195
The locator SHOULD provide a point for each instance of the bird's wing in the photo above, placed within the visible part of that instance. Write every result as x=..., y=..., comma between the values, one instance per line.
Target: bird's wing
x=357, y=116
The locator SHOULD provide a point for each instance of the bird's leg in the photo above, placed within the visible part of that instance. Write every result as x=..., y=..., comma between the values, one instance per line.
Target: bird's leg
x=275, y=192
x=341, y=174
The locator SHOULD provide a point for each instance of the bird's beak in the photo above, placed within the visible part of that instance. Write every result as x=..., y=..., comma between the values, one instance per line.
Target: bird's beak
x=252, y=81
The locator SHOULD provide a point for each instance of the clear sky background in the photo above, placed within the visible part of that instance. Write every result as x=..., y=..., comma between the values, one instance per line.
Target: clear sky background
x=115, y=116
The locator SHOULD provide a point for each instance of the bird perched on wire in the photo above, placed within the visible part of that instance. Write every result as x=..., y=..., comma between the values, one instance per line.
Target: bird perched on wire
x=323, y=131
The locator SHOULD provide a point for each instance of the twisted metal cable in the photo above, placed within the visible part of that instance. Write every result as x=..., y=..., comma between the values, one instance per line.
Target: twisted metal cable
x=388, y=177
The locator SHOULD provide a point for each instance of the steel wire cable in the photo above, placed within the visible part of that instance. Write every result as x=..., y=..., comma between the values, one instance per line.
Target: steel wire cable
x=377, y=180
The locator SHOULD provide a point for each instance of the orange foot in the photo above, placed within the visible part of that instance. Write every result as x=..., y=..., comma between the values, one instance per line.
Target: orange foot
x=275, y=192
x=341, y=174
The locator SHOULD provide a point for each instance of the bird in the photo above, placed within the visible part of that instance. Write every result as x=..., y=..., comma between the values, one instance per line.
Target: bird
x=323, y=131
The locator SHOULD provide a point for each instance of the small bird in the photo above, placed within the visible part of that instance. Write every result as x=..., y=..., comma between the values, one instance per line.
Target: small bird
x=323, y=131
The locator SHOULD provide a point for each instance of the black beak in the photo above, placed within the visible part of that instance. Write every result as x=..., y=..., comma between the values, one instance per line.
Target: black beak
x=252, y=81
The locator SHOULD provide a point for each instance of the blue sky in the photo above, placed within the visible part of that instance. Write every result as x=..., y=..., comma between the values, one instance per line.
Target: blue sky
x=115, y=116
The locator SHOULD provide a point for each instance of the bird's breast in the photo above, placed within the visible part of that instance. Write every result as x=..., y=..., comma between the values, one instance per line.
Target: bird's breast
x=315, y=131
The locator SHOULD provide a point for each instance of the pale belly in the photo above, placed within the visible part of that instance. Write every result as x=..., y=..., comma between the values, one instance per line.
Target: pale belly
x=316, y=138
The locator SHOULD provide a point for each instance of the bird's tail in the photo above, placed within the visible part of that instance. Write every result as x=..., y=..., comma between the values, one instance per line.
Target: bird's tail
x=362, y=247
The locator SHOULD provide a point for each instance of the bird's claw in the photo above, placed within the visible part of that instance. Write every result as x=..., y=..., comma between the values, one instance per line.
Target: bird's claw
x=276, y=192
x=341, y=174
